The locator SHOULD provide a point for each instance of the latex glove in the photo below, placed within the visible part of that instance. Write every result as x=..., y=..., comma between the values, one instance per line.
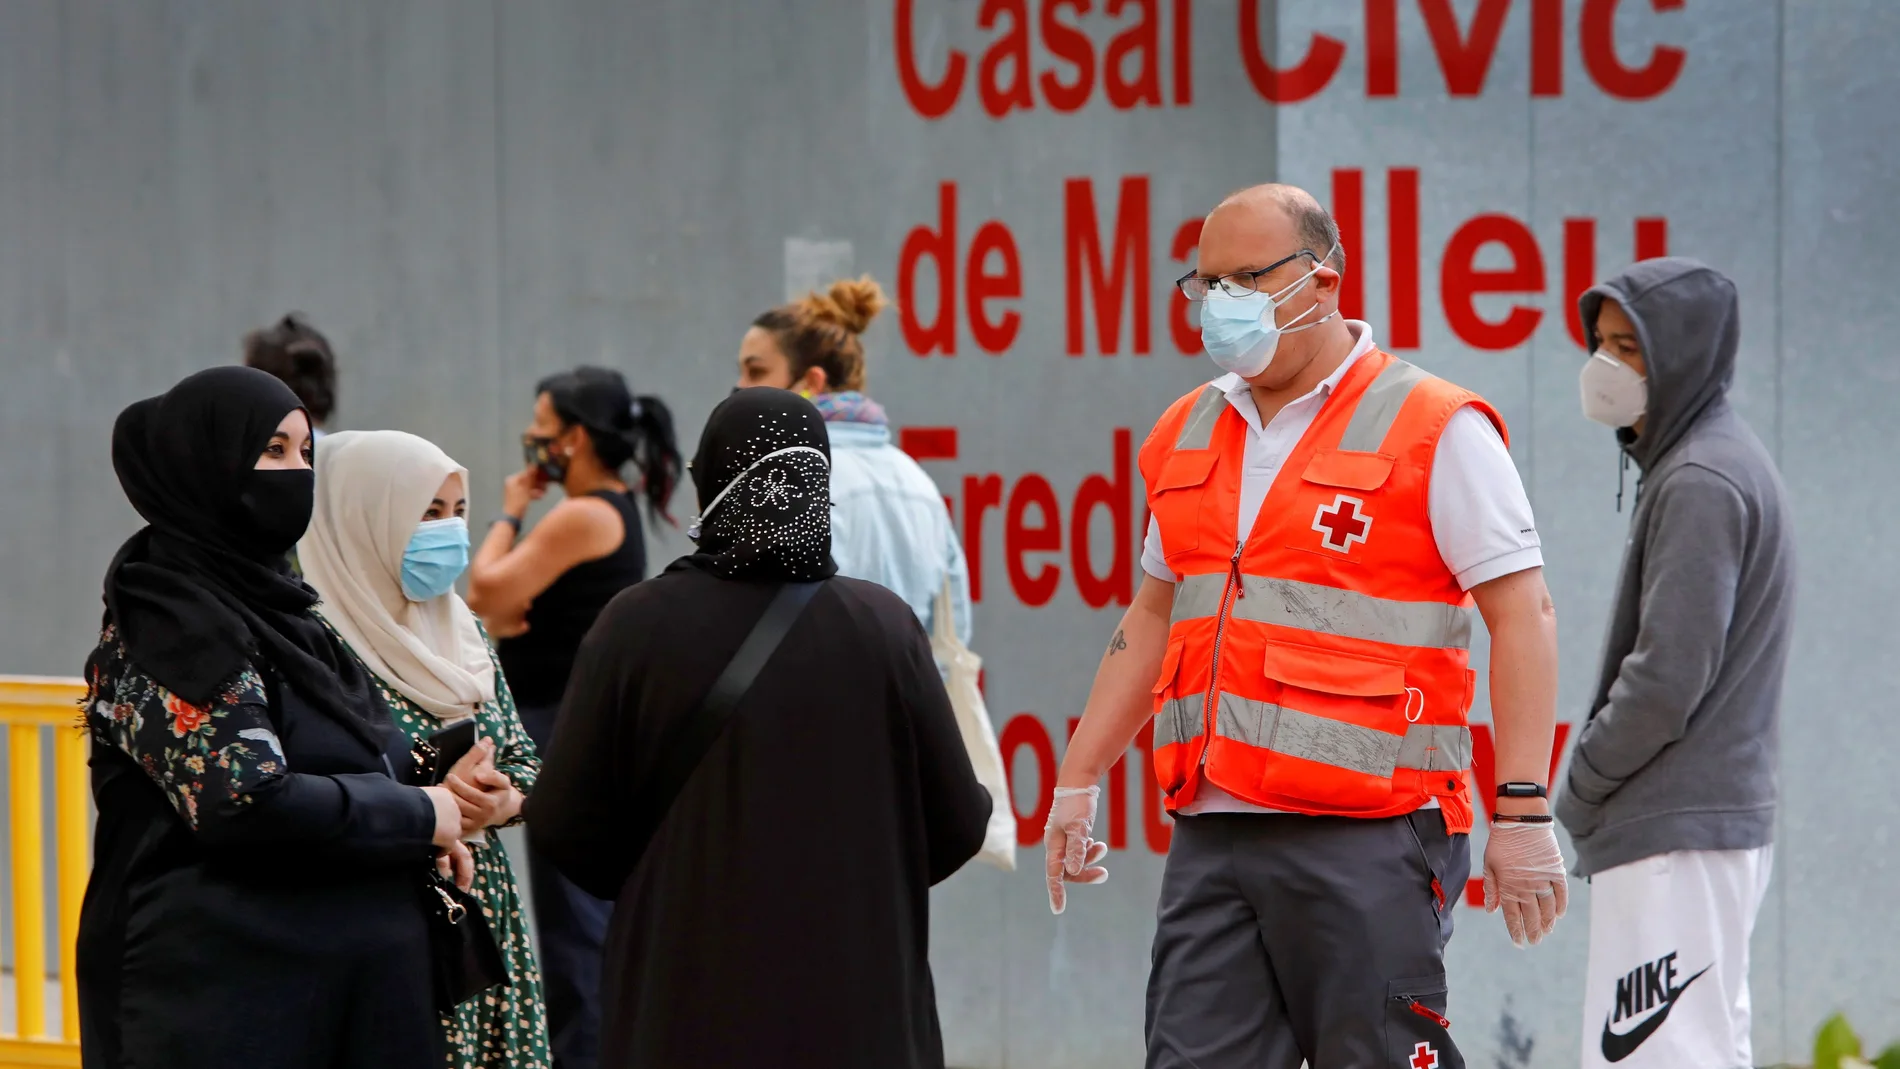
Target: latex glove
x=1524, y=876
x=1072, y=857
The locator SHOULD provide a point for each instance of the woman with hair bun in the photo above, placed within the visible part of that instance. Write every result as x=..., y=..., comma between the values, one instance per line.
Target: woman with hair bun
x=299, y=356
x=539, y=593
x=888, y=520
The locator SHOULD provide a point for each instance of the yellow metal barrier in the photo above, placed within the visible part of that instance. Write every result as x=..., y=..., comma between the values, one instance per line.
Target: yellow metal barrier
x=30, y=709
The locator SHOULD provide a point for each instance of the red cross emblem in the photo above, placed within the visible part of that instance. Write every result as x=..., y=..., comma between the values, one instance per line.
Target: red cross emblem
x=1424, y=1057
x=1341, y=524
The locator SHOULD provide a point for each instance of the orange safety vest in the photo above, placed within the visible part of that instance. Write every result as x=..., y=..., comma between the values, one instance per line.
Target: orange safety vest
x=1322, y=665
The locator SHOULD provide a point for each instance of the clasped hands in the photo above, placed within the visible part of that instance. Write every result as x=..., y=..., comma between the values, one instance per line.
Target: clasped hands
x=473, y=797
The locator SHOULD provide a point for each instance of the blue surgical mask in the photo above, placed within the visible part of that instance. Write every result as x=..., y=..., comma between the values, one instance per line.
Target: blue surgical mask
x=437, y=556
x=1241, y=334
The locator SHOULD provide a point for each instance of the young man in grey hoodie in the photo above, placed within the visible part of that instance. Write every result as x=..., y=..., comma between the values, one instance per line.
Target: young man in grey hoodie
x=1670, y=797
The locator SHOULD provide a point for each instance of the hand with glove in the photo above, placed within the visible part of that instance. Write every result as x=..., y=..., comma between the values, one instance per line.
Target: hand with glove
x=1524, y=876
x=1073, y=857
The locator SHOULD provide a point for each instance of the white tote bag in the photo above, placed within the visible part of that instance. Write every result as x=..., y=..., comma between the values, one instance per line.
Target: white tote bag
x=979, y=738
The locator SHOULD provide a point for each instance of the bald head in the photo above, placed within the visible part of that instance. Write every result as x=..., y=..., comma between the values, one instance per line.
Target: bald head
x=1284, y=216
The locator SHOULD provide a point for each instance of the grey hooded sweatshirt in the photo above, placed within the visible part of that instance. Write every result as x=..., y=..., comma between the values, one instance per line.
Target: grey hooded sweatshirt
x=1681, y=748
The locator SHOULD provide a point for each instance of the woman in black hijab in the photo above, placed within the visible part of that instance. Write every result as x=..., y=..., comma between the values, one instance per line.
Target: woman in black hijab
x=780, y=914
x=254, y=898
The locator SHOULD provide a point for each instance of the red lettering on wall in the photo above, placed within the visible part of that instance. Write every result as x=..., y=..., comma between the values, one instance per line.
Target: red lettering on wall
x=931, y=101
x=1460, y=280
x=981, y=286
x=1033, y=524
x=1025, y=730
x=1116, y=494
x=983, y=282
x=980, y=494
x=1082, y=260
x=1484, y=789
x=1011, y=48
x=1547, y=48
x=1382, y=51
x=1466, y=60
x=1305, y=79
x=928, y=443
x=1131, y=61
x=1580, y=269
x=1183, y=53
x=1143, y=42
x=1065, y=42
x=1597, y=29
x=1349, y=211
x=1187, y=336
x=1652, y=238
x=1401, y=246
x=940, y=245
x=1020, y=538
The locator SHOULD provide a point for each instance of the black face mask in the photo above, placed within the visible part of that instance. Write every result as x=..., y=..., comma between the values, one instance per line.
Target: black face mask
x=278, y=503
x=539, y=453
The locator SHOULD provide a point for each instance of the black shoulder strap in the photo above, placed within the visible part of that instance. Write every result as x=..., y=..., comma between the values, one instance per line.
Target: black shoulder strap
x=685, y=744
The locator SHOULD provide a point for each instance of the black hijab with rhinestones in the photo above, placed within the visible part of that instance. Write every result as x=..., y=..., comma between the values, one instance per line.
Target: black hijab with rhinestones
x=767, y=452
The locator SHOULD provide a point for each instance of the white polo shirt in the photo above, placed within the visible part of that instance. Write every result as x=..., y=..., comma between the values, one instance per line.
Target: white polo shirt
x=1481, y=517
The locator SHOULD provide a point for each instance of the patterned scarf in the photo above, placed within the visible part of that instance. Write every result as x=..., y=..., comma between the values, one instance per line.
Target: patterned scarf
x=850, y=407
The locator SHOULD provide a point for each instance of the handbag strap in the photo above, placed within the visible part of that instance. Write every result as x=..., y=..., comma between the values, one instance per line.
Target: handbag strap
x=686, y=743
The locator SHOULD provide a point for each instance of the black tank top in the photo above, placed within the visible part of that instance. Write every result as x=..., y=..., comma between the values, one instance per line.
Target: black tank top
x=537, y=662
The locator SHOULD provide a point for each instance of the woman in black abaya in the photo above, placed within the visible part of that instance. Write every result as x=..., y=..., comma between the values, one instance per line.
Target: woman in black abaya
x=781, y=913
x=255, y=893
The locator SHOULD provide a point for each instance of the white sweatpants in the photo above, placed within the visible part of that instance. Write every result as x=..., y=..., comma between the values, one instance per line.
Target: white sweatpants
x=1668, y=977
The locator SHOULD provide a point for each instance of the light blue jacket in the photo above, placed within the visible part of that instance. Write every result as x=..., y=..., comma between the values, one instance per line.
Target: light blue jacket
x=889, y=524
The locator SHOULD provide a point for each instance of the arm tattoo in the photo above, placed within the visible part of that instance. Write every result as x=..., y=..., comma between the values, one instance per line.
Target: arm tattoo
x=1117, y=644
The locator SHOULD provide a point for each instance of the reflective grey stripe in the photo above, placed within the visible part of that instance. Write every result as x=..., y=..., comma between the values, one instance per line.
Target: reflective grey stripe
x=1198, y=431
x=1180, y=719
x=1328, y=610
x=1379, y=406
x=1315, y=738
x=1436, y=748
x=1423, y=747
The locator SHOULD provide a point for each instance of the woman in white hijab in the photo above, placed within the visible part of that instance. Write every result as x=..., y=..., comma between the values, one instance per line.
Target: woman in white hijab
x=387, y=541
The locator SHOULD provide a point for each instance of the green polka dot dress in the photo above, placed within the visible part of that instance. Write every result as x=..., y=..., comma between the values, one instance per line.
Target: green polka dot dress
x=503, y=1027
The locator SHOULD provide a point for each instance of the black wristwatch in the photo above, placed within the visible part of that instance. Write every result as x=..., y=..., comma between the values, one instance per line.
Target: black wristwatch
x=1522, y=790
x=512, y=521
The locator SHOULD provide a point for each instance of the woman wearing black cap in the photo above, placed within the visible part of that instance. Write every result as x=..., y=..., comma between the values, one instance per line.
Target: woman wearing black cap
x=258, y=862
x=540, y=592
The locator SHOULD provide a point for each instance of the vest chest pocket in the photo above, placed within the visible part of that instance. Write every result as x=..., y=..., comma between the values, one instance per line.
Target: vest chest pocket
x=1179, y=494
x=1340, y=486
x=1334, y=736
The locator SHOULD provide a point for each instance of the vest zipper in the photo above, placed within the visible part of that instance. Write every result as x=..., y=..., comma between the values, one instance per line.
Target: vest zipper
x=1232, y=592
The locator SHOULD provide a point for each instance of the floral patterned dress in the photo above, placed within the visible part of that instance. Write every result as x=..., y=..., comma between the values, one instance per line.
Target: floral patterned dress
x=504, y=1027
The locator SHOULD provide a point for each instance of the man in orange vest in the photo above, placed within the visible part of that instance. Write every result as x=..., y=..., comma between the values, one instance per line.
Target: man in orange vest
x=1325, y=518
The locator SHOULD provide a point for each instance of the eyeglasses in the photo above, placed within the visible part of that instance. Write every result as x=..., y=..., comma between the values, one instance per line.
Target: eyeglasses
x=1239, y=284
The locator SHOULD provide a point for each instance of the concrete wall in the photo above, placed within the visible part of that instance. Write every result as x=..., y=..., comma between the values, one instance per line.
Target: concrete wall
x=466, y=195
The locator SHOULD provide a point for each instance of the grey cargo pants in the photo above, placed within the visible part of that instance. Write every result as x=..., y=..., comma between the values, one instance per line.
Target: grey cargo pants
x=1283, y=938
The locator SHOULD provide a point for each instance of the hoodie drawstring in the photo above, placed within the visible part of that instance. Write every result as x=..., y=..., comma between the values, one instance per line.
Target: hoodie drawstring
x=1622, y=466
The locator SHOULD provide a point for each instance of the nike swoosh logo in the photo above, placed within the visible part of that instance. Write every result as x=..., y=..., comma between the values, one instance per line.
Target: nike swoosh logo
x=1618, y=1047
